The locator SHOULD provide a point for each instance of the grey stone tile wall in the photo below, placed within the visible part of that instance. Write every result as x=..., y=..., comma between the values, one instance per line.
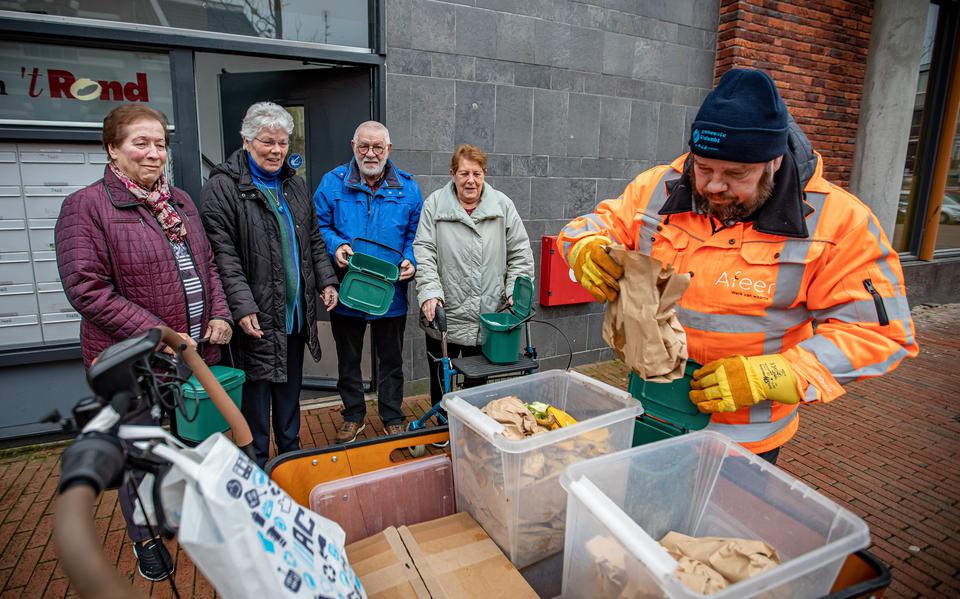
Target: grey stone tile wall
x=571, y=99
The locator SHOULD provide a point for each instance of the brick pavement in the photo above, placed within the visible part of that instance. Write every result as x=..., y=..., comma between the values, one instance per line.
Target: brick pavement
x=887, y=450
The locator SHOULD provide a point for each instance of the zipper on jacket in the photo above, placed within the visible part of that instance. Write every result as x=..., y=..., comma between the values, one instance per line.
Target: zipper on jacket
x=882, y=317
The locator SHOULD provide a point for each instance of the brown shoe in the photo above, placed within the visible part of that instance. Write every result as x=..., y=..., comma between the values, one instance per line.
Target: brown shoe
x=394, y=429
x=349, y=431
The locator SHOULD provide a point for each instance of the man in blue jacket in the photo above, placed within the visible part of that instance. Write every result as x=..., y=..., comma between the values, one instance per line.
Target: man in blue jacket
x=370, y=198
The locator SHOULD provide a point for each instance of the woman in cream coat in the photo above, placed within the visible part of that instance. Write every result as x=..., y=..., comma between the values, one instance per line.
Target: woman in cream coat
x=470, y=248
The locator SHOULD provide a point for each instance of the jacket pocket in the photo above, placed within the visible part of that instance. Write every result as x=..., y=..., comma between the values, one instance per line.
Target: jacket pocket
x=772, y=254
x=668, y=243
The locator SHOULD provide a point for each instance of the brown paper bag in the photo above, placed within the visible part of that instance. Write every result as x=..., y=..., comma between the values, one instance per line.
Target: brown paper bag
x=518, y=423
x=641, y=325
x=730, y=558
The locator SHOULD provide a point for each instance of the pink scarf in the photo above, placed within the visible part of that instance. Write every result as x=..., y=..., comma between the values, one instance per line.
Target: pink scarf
x=157, y=200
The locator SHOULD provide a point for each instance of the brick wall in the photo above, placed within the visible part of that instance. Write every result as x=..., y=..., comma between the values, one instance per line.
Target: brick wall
x=817, y=53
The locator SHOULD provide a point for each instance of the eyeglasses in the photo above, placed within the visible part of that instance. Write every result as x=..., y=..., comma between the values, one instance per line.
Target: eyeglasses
x=364, y=148
x=272, y=142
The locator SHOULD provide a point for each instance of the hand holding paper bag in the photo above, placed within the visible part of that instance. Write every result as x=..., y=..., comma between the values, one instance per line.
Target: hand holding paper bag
x=641, y=325
x=594, y=269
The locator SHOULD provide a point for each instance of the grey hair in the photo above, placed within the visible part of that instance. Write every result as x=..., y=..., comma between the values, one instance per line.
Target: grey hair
x=376, y=126
x=265, y=115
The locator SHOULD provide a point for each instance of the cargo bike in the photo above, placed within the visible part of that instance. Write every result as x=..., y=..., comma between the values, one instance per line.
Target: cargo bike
x=120, y=388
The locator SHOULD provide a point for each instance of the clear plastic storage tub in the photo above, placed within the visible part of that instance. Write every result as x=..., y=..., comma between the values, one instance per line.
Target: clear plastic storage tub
x=512, y=488
x=699, y=484
x=409, y=493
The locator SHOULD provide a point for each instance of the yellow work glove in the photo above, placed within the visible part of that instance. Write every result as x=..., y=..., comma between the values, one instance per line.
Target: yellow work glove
x=594, y=269
x=736, y=382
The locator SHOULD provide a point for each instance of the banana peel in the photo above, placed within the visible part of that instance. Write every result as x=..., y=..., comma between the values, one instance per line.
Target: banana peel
x=548, y=416
x=563, y=419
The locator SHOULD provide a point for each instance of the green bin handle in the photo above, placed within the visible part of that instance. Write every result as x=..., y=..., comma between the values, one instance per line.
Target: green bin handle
x=382, y=245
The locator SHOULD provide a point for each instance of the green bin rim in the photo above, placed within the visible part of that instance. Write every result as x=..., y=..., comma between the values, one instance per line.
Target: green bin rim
x=489, y=320
x=376, y=267
x=228, y=377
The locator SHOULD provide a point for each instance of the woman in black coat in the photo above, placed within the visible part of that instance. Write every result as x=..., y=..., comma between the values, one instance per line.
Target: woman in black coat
x=273, y=264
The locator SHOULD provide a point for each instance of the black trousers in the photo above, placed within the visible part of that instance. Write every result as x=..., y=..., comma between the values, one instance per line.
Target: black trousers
x=127, y=492
x=770, y=456
x=386, y=334
x=454, y=350
x=284, y=398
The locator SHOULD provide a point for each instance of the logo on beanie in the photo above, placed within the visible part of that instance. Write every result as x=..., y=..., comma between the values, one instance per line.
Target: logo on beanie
x=707, y=140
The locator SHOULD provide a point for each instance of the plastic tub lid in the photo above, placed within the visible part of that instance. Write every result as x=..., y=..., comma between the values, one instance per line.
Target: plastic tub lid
x=371, y=265
x=366, y=293
x=522, y=296
x=228, y=378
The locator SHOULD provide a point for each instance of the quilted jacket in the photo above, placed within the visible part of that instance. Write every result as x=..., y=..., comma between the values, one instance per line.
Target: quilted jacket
x=119, y=271
x=246, y=240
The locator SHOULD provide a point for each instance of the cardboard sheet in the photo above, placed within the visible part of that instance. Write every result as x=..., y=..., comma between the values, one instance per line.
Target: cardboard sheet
x=447, y=558
x=385, y=568
x=641, y=325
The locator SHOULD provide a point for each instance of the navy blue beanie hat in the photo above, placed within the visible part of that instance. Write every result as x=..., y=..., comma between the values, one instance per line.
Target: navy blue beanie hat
x=743, y=119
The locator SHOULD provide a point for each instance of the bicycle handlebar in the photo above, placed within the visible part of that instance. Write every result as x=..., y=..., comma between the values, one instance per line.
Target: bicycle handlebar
x=79, y=548
x=75, y=536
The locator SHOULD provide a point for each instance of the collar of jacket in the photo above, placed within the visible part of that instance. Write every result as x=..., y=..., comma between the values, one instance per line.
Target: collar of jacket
x=120, y=196
x=786, y=211
x=390, y=178
x=450, y=209
x=236, y=168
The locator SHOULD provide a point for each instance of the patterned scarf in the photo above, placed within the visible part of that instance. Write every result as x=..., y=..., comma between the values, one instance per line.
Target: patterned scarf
x=157, y=201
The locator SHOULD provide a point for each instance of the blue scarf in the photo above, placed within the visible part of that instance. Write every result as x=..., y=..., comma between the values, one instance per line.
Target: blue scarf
x=269, y=185
x=260, y=175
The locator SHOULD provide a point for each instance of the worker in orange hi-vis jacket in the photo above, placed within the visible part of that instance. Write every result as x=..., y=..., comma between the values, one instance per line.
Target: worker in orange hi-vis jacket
x=795, y=291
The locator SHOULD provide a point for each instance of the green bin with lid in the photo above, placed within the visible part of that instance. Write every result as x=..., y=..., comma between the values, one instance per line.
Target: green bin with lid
x=667, y=409
x=368, y=285
x=502, y=330
x=208, y=419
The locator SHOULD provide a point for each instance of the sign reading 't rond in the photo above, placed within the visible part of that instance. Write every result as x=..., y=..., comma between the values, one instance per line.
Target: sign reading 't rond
x=64, y=84
x=78, y=86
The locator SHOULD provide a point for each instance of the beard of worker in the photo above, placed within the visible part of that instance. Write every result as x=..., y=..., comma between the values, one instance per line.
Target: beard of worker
x=727, y=207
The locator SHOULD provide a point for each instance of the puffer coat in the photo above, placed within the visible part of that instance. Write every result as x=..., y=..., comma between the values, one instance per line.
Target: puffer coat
x=119, y=271
x=469, y=261
x=246, y=241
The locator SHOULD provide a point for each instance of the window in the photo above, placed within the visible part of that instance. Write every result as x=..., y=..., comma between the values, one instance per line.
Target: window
x=335, y=22
x=933, y=150
x=907, y=202
x=948, y=233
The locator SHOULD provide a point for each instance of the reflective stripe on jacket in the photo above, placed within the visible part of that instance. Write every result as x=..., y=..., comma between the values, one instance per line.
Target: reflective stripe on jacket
x=828, y=294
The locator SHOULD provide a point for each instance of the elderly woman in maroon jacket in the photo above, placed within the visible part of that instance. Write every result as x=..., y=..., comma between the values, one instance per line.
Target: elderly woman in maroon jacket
x=132, y=255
